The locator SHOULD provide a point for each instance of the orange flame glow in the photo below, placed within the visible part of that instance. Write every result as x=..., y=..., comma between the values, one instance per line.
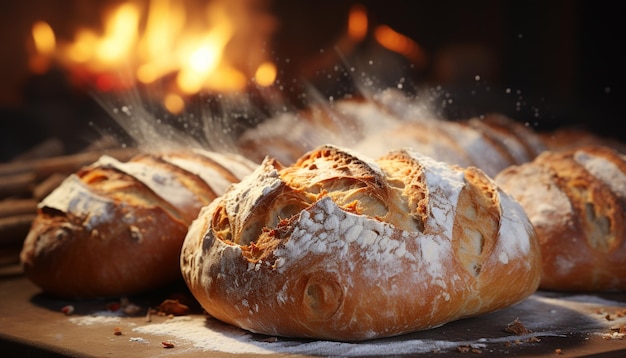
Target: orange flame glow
x=357, y=22
x=183, y=48
x=45, y=43
x=401, y=44
x=195, y=48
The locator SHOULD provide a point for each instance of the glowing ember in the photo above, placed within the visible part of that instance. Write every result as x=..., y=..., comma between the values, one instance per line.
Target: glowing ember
x=44, y=42
x=357, y=22
x=401, y=44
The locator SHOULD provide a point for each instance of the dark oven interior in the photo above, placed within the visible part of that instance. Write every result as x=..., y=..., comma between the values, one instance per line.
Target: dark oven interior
x=549, y=64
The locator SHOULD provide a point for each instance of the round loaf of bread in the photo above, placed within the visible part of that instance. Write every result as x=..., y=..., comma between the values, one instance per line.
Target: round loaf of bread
x=491, y=143
x=289, y=135
x=116, y=228
x=576, y=200
x=340, y=247
x=568, y=138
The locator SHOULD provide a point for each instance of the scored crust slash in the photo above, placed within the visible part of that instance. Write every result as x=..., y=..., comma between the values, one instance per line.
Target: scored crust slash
x=315, y=249
x=115, y=228
x=576, y=200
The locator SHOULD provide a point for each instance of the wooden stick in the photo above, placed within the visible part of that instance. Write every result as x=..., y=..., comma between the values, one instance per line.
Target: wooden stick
x=48, y=185
x=50, y=147
x=13, y=207
x=61, y=164
x=20, y=178
x=17, y=184
x=10, y=256
x=71, y=163
x=13, y=229
x=16, y=168
x=103, y=143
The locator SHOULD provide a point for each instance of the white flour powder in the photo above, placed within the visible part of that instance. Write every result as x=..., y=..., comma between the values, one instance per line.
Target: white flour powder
x=209, y=335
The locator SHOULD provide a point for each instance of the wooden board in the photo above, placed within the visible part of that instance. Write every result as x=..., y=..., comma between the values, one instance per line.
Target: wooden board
x=32, y=324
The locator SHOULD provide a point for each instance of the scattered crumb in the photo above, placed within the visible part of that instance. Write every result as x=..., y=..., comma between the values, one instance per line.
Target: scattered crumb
x=533, y=339
x=149, y=315
x=123, y=306
x=173, y=307
x=113, y=306
x=516, y=327
x=270, y=339
x=167, y=344
x=614, y=336
x=68, y=310
x=558, y=351
x=117, y=331
x=131, y=309
x=468, y=349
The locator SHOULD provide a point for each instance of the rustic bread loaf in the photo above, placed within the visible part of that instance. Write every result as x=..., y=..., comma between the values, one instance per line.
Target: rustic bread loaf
x=344, y=122
x=491, y=143
x=392, y=120
x=576, y=200
x=116, y=228
x=568, y=138
x=341, y=247
x=287, y=136
x=519, y=142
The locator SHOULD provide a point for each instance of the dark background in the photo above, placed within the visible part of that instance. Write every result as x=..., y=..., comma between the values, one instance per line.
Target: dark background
x=547, y=63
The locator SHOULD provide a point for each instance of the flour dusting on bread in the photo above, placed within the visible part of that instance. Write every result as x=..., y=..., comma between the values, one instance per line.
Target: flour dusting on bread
x=340, y=246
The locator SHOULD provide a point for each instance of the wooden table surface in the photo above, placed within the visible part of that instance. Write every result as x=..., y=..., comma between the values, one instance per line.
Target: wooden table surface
x=561, y=325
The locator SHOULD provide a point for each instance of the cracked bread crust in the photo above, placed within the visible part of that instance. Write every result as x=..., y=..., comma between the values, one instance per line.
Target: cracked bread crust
x=341, y=247
x=116, y=228
x=576, y=200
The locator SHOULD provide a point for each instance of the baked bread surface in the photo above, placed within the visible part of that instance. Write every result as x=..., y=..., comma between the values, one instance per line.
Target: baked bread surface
x=116, y=228
x=576, y=200
x=342, y=247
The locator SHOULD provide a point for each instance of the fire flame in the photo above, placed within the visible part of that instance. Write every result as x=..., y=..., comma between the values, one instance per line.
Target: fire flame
x=184, y=50
x=401, y=44
x=357, y=22
x=195, y=49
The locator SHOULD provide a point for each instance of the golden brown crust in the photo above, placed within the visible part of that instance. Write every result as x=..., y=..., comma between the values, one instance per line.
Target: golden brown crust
x=490, y=144
x=576, y=199
x=515, y=141
x=428, y=137
x=514, y=131
x=288, y=136
x=340, y=247
x=390, y=121
x=568, y=138
x=116, y=228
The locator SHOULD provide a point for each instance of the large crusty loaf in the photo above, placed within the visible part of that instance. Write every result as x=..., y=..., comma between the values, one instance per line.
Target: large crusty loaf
x=289, y=135
x=576, y=200
x=491, y=143
x=116, y=228
x=568, y=138
x=345, y=122
x=341, y=247
x=376, y=125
